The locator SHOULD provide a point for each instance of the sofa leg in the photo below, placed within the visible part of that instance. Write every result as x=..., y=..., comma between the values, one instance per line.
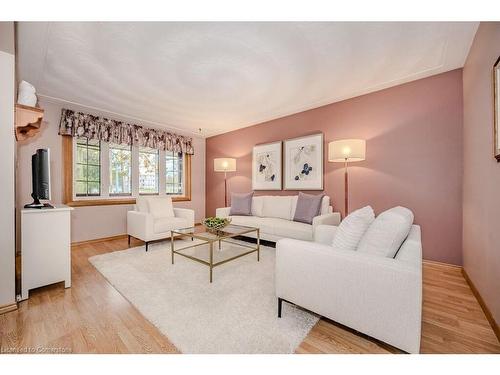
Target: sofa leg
x=147, y=243
x=280, y=303
x=129, y=240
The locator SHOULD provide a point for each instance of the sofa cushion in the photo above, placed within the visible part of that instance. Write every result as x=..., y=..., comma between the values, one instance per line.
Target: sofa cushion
x=352, y=228
x=248, y=221
x=292, y=229
x=241, y=204
x=257, y=206
x=161, y=207
x=386, y=234
x=308, y=207
x=265, y=224
x=325, y=205
x=166, y=224
x=278, y=207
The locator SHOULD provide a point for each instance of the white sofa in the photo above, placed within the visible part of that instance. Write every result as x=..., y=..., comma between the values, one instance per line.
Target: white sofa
x=148, y=225
x=378, y=296
x=273, y=215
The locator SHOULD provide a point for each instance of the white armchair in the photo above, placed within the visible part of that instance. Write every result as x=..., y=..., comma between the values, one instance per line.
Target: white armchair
x=149, y=226
x=378, y=296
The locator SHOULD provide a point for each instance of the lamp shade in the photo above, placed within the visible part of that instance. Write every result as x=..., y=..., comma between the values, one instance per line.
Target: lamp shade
x=347, y=150
x=224, y=165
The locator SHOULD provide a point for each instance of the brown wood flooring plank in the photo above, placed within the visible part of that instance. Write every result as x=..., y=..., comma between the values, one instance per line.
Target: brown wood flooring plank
x=93, y=317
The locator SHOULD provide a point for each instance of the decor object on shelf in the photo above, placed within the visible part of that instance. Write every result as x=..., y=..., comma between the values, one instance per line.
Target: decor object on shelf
x=274, y=215
x=225, y=165
x=374, y=294
x=496, y=104
x=27, y=121
x=304, y=163
x=266, y=166
x=150, y=226
x=346, y=151
x=215, y=224
x=79, y=124
x=26, y=94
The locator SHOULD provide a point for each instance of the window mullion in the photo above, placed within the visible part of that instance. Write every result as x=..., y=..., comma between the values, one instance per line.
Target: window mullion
x=105, y=169
x=162, y=173
x=135, y=171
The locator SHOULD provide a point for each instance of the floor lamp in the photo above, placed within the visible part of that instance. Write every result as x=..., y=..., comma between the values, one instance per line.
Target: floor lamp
x=225, y=165
x=346, y=151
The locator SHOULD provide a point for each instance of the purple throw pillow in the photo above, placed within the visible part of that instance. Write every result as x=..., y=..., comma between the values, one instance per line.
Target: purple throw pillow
x=308, y=206
x=241, y=204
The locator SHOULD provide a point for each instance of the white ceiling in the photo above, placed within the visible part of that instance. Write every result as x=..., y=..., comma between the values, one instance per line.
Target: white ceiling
x=224, y=76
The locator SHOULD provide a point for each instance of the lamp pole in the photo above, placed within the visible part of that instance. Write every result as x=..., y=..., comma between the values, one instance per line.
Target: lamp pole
x=346, y=190
x=225, y=188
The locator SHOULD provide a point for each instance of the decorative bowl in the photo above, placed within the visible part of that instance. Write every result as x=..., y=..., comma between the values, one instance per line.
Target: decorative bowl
x=215, y=224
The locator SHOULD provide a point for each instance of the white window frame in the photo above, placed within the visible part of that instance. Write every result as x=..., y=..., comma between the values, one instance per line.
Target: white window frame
x=105, y=170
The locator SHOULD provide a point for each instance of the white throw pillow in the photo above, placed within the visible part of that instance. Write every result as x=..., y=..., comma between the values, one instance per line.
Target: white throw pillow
x=352, y=228
x=161, y=207
x=325, y=204
x=257, y=206
x=295, y=199
x=276, y=206
x=141, y=204
x=387, y=232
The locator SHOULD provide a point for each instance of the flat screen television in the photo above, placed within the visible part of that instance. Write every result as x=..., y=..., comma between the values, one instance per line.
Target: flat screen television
x=40, y=178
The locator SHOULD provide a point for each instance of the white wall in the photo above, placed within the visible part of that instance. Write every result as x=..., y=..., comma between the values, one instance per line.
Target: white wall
x=93, y=222
x=7, y=155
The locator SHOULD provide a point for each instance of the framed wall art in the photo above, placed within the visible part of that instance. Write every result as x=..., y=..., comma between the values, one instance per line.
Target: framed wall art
x=266, y=166
x=303, y=163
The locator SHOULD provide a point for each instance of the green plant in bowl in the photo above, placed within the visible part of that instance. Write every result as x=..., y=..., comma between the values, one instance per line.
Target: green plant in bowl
x=215, y=224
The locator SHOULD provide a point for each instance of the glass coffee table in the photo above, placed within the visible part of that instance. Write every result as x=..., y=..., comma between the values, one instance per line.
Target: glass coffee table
x=205, y=254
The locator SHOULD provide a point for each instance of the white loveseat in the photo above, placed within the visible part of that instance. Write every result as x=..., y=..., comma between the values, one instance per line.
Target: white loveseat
x=154, y=217
x=273, y=215
x=378, y=296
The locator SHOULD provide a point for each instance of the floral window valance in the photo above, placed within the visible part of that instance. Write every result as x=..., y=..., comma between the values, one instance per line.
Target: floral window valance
x=78, y=124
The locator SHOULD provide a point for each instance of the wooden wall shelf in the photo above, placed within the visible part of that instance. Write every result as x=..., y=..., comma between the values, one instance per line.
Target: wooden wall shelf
x=28, y=121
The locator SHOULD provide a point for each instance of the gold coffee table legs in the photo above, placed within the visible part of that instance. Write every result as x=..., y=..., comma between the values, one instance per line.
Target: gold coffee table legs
x=211, y=244
x=212, y=258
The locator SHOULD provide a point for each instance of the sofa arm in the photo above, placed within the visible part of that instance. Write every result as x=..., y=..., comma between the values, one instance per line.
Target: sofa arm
x=185, y=213
x=381, y=297
x=326, y=219
x=222, y=212
x=324, y=234
x=139, y=224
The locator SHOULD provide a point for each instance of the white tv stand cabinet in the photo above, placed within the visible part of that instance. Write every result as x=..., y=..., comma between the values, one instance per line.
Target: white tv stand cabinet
x=45, y=247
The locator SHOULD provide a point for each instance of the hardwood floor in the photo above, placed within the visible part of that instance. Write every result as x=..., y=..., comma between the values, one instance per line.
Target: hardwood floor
x=92, y=317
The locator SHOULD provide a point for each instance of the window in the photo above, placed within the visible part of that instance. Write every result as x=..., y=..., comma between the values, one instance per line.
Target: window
x=148, y=171
x=120, y=170
x=101, y=173
x=87, y=168
x=174, y=168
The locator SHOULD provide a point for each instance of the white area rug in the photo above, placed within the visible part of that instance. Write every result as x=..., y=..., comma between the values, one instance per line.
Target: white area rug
x=237, y=313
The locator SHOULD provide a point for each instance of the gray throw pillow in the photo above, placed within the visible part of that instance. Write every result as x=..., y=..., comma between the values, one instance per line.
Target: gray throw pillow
x=241, y=204
x=308, y=206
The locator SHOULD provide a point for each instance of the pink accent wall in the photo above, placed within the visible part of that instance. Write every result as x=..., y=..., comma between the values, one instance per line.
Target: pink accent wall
x=481, y=198
x=414, y=156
